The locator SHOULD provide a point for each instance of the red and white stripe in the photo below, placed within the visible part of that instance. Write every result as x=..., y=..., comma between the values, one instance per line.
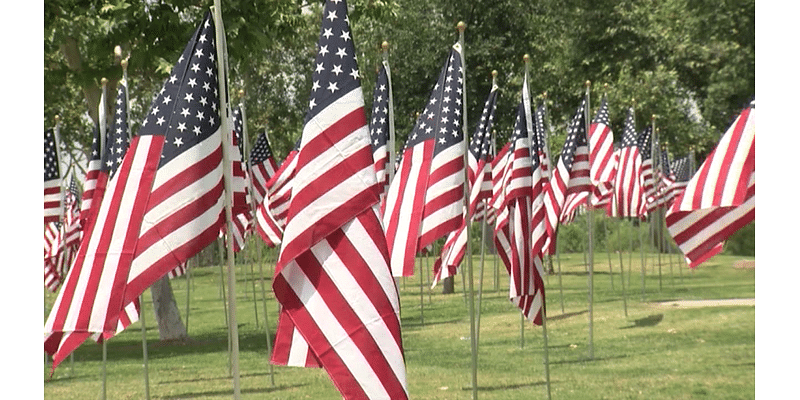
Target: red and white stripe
x=261, y=174
x=579, y=187
x=332, y=277
x=279, y=189
x=601, y=161
x=720, y=197
x=628, y=195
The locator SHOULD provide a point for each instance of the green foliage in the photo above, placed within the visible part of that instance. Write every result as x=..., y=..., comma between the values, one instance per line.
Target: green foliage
x=742, y=242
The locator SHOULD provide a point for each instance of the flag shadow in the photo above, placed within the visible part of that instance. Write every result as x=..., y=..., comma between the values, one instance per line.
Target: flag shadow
x=219, y=393
x=508, y=386
x=650, y=320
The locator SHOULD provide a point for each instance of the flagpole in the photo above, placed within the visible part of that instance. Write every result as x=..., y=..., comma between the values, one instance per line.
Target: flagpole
x=590, y=227
x=222, y=59
x=483, y=243
x=392, y=156
x=246, y=156
x=473, y=335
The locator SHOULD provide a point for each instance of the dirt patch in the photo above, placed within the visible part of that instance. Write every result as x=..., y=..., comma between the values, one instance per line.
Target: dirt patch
x=704, y=303
x=745, y=264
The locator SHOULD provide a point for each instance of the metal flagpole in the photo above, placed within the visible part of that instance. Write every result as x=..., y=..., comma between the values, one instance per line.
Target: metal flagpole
x=622, y=269
x=483, y=243
x=246, y=156
x=222, y=58
x=590, y=227
x=656, y=178
x=392, y=156
x=473, y=336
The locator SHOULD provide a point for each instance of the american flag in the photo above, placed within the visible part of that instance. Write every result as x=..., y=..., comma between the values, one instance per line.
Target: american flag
x=628, y=196
x=52, y=247
x=647, y=180
x=426, y=198
x=499, y=163
x=240, y=205
x=521, y=184
x=163, y=205
x=720, y=197
x=681, y=173
x=601, y=159
x=540, y=139
x=665, y=179
x=479, y=173
x=379, y=126
x=262, y=166
x=90, y=181
x=570, y=185
x=332, y=278
x=279, y=188
x=52, y=178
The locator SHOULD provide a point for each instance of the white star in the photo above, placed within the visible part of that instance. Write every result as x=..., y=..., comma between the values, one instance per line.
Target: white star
x=203, y=101
x=196, y=130
x=192, y=82
x=323, y=50
x=311, y=104
x=189, y=97
x=207, y=86
x=155, y=110
x=160, y=121
x=353, y=73
x=345, y=35
x=209, y=72
x=185, y=112
x=195, y=67
x=320, y=68
x=182, y=126
x=202, y=38
x=331, y=15
x=172, y=79
x=198, y=53
x=200, y=115
x=315, y=86
x=167, y=100
x=178, y=141
x=328, y=33
x=341, y=52
x=337, y=69
x=332, y=87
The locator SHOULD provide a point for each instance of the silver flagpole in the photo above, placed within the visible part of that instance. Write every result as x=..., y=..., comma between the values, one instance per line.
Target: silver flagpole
x=473, y=335
x=246, y=158
x=392, y=156
x=590, y=227
x=222, y=58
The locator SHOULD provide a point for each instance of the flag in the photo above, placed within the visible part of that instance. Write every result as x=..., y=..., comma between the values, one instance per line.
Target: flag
x=479, y=174
x=279, y=188
x=628, y=195
x=681, y=173
x=426, y=198
x=569, y=186
x=646, y=179
x=379, y=126
x=521, y=184
x=332, y=278
x=540, y=139
x=52, y=243
x=162, y=206
x=262, y=167
x=90, y=181
x=52, y=178
x=240, y=202
x=664, y=180
x=720, y=197
x=601, y=159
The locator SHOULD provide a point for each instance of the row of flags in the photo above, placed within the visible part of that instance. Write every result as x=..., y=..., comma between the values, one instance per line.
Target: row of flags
x=346, y=218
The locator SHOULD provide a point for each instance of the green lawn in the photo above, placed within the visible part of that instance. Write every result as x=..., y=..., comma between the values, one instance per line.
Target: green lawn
x=651, y=353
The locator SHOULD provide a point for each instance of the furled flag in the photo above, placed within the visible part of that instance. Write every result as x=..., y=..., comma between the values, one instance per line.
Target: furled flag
x=720, y=198
x=332, y=278
x=240, y=205
x=628, y=196
x=426, y=198
x=90, y=181
x=664, y=180
x=569, y=185
x=479, y=173
x=601, y=160
x=52, y=178
x=379, y=126
x=515, y=223
x=262, y=167
x=163, y=205
x=52, y=243
x=541, y=141
x=647, y=181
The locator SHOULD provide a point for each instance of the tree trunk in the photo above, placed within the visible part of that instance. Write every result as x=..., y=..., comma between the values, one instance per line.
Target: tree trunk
x=170, y=325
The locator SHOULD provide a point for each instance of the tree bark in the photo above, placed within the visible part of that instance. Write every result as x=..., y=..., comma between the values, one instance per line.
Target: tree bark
x=170, y=325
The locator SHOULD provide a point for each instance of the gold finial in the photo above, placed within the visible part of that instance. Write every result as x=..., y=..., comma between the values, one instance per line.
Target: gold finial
x=653, y=117
x=544, y=95
x=124, y=63
x=588, y=83
x=461, y=26
x=494, y=73
x=58, y=118
x=605, y=86
x=117, y=53
x=526, y=58
x=103, y=81
x=241, y=93
x=385, y=46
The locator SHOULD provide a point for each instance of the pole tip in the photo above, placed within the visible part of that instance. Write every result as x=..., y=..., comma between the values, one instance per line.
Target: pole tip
x=526, y=58
x=494, y=73
x=605, y=85
x=653, y=117
x=544, y=95
x=58, y=118
x=103, y=81
x=241, y=93
x=588, y=83
x=117, y=52
x=461, y=26
x=385, y=46
x=124, y=63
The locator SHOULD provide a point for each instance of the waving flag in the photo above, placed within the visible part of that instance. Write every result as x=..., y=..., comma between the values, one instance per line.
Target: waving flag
x=570, y=184
x=379, y=126
x=52, y=178
x=332, y=278
x=279, y=188
x=240, y=204
x=628, y=196
x=426, y=198
x=515, y=222
x=540, y=141
x=480, y=178
x=162, y=206
x=647, y=182
x=720, y=198
x=262, y=166
x=601, y=159
x=90, y=182
x=681, y=174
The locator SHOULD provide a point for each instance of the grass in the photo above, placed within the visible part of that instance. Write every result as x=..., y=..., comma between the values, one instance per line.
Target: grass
x=650, y=353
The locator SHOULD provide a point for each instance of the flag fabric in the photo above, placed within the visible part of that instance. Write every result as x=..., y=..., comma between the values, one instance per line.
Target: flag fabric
x=332, y=278
x=647, y=180
x=601, y=159
x=720, y=197
x=514, y=231
x=379, y=127
x=162, y=206
x=569, y=186
x=681, y=173
x=52, y=244
x=540, y=139
x=479, y=174
x=52, y=178
x=262, y=167
x=279, y=188
x=664, y=180
x=628, y=196
x=90, y=181
x=240, y=202
x=426, y=198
